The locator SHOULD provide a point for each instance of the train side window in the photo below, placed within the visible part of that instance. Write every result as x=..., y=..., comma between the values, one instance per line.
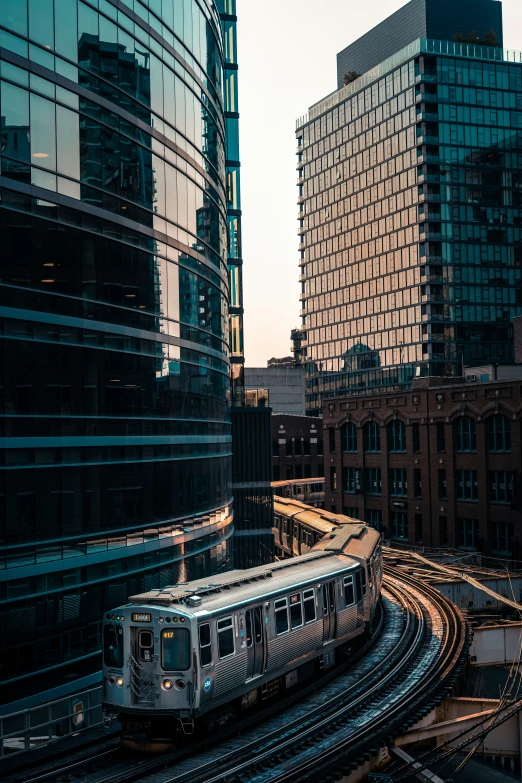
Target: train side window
x=225, y=629
x=258, y=625
x=281, y=616
x=325, y=600
x=349, y=595
x=331, y=596
x=309, y=605
x=205, y=645
x=296, y=611
x=248, y=622
x=358, y=585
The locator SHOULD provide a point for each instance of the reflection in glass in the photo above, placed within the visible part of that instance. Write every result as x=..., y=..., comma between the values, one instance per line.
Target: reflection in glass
x=68, y=138
x=43, y=132
x=41, y=22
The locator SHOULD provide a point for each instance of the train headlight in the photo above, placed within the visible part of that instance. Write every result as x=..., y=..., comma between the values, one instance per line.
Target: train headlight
x=119, y=681
x=167, y=685
x=111, y=680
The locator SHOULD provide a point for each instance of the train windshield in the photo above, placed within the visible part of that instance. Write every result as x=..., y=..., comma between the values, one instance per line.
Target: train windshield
x=113, y=645
x=175, y=649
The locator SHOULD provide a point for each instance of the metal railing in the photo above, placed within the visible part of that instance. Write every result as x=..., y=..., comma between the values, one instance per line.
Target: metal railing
x=33, y=728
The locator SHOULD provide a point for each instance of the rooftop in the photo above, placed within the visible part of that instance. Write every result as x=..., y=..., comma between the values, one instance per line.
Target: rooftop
x=420, y=46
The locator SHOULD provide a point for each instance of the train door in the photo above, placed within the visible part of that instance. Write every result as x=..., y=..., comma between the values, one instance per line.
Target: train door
x=329, y=610
x=255, y=639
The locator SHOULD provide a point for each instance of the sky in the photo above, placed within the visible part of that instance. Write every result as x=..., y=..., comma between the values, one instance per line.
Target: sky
x=287, y=61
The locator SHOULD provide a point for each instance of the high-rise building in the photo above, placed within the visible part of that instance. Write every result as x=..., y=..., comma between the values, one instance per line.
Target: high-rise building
x=115, y=432
x=227, y=11
x=442, y=20
x=410, y=202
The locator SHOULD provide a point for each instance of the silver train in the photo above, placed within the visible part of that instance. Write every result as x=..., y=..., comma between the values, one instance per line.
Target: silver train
x=202, y=651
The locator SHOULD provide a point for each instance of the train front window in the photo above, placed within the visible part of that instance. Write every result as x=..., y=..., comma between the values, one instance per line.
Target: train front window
x=113, y=645
x=175, y=650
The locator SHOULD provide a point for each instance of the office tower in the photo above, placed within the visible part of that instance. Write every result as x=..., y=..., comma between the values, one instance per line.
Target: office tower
x=227, y=11
x=409, y=194
x=442, y=20
x=114, y=364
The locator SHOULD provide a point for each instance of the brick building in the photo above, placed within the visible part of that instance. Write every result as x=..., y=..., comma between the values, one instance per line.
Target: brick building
x=438, y=465
x=297, y=447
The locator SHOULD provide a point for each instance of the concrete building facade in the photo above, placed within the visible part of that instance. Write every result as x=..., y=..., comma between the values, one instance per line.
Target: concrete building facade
x=285, y=385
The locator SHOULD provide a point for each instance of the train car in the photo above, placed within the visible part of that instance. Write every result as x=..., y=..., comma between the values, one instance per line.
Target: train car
x=200, y=652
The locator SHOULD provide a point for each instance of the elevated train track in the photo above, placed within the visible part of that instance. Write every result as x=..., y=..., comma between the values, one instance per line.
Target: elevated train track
x=332, y=727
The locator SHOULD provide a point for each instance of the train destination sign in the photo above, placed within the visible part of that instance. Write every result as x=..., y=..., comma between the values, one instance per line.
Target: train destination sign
x=141, y=618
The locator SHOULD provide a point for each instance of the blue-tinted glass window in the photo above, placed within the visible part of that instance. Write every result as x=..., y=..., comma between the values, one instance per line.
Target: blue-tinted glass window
x=396, y=436
x=349, y=437
x=498, y=433
x=465, y=436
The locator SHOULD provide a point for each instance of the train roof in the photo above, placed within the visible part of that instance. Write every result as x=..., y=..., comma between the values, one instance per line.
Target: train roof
x=238, y=587
x=315, y=518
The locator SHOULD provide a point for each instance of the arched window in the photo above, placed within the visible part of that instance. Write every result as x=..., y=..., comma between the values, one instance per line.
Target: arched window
x=396, y=436
x=349, y=437
x=465, y=435
x=499, y=433
x=372, y=436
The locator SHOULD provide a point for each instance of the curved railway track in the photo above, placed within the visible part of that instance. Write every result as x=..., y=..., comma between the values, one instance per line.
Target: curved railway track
x=414, y=660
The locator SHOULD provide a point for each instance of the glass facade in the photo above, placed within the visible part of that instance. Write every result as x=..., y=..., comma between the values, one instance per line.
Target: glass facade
x=115, y=433
x=227, y=10
x=410, y=183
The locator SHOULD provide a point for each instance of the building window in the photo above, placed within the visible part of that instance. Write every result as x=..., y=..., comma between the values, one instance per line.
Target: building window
x=396, y=436
x=306, y=447
x=351, y=480
x=465, y=434
x=442, y=484
x=441, y=436
x=275, y=448
x=373, y=481
x=333, y=479
x=498, y=486
x=289, y=472
x=372, y=436
x=297, y=447
x=288, y=448
x=398, y=481
x=298, y=471
x=349, y=437
x=320, y=446
x=276, y=473
x=418, y=528
x=331, y=440
x=415, y=435
x=399, y=525
x=467, y=484
x=499, y=433
x=374, y=518
x=467, y=532
x=443, y=530
x=351, y=511
x=501, y=537
x=417, y=483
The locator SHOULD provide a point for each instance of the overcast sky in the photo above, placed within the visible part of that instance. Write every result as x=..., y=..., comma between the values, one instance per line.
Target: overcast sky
x=287, y=62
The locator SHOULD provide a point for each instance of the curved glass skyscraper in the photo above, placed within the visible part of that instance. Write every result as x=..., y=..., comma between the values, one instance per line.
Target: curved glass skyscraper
x=114, y=303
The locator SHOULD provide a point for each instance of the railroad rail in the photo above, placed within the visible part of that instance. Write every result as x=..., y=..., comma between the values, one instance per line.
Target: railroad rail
x=410, y=664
